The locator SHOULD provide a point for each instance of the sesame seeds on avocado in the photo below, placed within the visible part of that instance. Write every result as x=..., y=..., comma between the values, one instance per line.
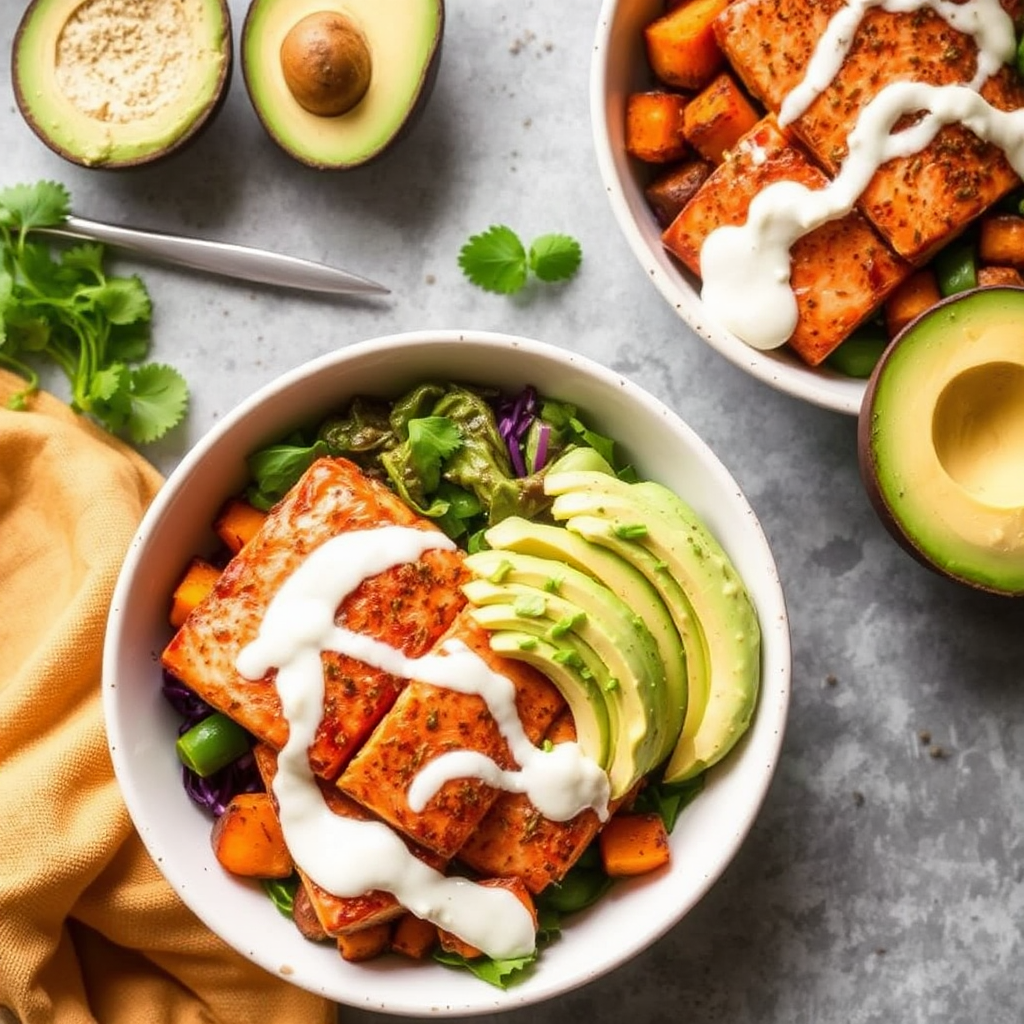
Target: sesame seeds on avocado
x=115, y=83
x=941, y=439
x=336, y=82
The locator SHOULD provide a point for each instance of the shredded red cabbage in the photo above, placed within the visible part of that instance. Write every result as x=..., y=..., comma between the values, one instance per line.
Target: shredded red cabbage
x=514, y=417
x=540, y=457
x=214, y=792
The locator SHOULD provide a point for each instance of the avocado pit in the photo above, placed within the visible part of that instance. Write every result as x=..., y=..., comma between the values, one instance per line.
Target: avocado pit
x=326, y=63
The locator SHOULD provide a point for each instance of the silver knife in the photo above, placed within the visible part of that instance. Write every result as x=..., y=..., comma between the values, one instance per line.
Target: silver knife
x=225, y=258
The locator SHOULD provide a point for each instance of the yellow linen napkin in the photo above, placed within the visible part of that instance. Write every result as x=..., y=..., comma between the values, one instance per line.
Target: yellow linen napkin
x=90, y=933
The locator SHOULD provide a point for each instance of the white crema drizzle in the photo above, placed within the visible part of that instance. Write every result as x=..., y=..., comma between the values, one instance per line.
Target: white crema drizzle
x=348, y=857
x=753, y=258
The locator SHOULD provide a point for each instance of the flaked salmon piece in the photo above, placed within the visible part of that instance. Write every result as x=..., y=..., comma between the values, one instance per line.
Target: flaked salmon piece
x=919, y=202
x=408, y=607
x=514, y=840
x=342, y=915
x=427, y=721
x=840, y=272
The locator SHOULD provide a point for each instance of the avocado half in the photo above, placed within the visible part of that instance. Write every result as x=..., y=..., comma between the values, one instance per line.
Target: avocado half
x=336, y=82
x=941, y=438
x=110, y=84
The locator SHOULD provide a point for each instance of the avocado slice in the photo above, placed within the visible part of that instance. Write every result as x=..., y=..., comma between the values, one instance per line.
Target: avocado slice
x=654, y=518
x=335, y=83
x=569, y=663
x=116, y=85
x=940, y=437
x=633, y=685
x=558, y=545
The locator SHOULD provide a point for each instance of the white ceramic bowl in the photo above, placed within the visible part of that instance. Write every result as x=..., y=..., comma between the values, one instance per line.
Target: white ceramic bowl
x=619, y=67
x=142, y=727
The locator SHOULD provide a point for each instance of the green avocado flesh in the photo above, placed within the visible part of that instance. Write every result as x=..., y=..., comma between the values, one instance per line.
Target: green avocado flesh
x=110, y=84
x=635, y=613
x=941, y=439
x=718, y=613
x=403, y=41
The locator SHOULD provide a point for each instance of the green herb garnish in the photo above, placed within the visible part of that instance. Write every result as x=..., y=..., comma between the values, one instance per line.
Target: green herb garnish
x=497, y=261
x=63, y=307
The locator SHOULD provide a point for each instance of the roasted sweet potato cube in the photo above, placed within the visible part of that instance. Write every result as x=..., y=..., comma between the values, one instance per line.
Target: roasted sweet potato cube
x=633, y=844
x=413, y=936
x=236, y=523
x=247, y=838
x=989, y=277
x=305, y=917
x=654, y=126
x=671, y=190
x=198, y=581
x=364, y=944
x=718, y=117
x=1001, y=240
x=681, y=45
x=910, y=298
x=840, y=273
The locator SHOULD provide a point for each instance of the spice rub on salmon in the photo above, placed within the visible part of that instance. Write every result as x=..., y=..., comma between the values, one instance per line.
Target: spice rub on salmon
x=408, y=607
x=840, y=272
x=427, y=721
x=918, y=202
x=341, y=915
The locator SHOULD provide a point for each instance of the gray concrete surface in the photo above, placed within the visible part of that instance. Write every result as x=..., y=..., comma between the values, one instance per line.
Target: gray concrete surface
x=882, y=881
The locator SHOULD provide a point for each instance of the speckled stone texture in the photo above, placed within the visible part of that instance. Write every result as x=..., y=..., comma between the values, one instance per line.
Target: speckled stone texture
x=882, y=881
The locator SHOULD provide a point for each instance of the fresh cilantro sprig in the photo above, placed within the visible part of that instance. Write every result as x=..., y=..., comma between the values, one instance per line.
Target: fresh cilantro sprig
x=63, y=307
x=497, y=261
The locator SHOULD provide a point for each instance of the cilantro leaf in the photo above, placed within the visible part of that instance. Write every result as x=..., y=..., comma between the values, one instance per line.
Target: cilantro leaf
x=555, y=257
x=495, y=260
x=431, y=440
x=275, y=469
x=159, y=397
x=45, y=204
x=64, y=308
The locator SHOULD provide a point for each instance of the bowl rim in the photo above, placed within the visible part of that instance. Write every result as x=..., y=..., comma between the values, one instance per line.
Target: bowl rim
x=368, y=989
x=780, y=371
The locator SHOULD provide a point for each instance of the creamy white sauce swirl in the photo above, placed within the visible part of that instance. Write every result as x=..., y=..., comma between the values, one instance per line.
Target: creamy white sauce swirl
x=745, y=269
x=348, y=857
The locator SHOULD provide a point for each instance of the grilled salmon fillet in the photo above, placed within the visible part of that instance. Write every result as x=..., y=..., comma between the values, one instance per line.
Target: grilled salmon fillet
x=341, y=915
x=917, y=203
x=840, y=272
x=408, y=607
x=427, y=721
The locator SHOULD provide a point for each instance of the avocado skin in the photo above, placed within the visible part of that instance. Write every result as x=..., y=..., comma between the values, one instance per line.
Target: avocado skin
x=268, y=118
x=723, y=610
x=1007, y=583
x=197, y=128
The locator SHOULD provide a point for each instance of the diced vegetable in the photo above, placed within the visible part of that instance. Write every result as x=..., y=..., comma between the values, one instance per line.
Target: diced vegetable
x=199, y=579
x=413, y=936
x=654, y=126
x=633, y=844
x=237, y=523
x=212, y=744
x=247, y=838
x=681, y=45
x=989, y=276
x=1001, y=240
x=671, y=190
x=364, y=944
x=718, y=117
x=910, y=298
x=857, y=356
x=956, y=268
